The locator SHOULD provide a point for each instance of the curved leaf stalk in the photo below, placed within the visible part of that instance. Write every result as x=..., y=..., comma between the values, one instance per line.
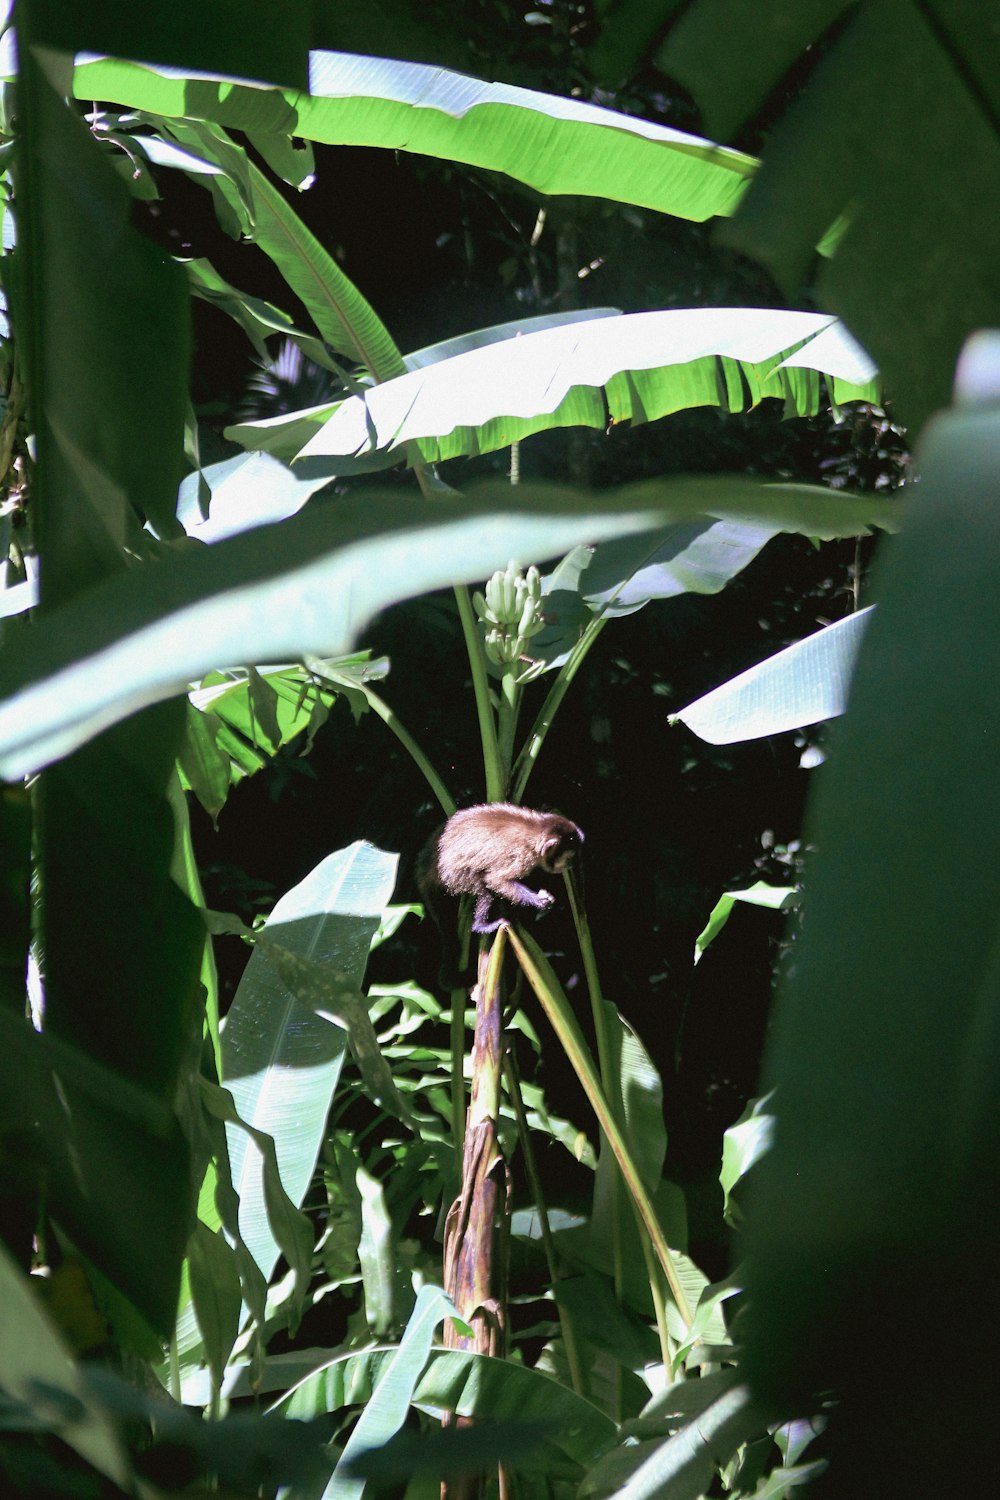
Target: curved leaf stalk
x=543, y=981
x=495, y=781
x=576, y=1375
x=392, y=721
x=612, y=1090
x=525, y=763
x=492, y=763
x=610, y=1086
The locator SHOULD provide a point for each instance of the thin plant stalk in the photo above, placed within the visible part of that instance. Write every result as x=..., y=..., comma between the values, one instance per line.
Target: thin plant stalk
x=548, y=1243
x=611, y=1088
x=540, y=976
x=492, y=764
x=531, y=749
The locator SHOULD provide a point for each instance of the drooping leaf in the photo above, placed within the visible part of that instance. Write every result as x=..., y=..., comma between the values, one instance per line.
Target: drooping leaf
x=743, y=1144
x=555, y=145
x=310, y=585
x=633, y=367
x=774, y=897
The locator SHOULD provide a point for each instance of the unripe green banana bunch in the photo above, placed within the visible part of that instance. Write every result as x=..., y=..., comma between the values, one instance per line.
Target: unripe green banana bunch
x=510, y=611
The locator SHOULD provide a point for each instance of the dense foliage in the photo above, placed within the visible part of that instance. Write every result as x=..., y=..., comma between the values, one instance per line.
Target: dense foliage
x=309, y=1193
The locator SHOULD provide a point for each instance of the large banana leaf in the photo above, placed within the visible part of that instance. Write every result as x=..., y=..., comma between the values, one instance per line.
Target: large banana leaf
x=621, y=368
x=554, y=145
x=310, y=584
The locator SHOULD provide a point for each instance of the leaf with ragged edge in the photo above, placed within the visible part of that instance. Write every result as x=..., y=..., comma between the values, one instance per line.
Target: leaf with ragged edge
x=224, y=742
x=282, y=1061
x=555, y=145
x=310, y=585
x=631, y=367
x=287, y=435
x=804, y=684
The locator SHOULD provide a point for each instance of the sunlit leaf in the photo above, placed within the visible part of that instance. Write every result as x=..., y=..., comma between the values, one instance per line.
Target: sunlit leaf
x=311, y=584
x=803, y=684
x=281, y=1061
x=554, y=144
x=632, y=367
x=774, y=897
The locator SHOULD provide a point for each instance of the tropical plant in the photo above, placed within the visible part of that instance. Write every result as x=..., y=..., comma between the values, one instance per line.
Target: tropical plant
x=132, y=1092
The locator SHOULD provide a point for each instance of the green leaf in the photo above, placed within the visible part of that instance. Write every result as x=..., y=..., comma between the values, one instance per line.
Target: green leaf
x=732, y=82
x=632, y=367
x=803, y=684
x=203, y=765
x=554, y=145
x=311, y=584
x=743, y=1144
x=888, y=71
x=281, y=1061
x=376, y=1253
x=387, y=1409
x=246, y=491
x=258, y=319
x=576, y=1432
x=684, y=1466
x=774, y=897
x=292, y=1232
x=886, y=1038
x=97, y=1139
x=37, y=1369
x=215, y=1292
x=346, y=321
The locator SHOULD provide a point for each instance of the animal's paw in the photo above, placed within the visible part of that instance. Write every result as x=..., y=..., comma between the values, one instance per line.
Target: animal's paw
x=545, y=898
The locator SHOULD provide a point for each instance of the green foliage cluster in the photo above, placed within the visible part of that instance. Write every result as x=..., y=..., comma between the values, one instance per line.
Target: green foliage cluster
x=197, y=1191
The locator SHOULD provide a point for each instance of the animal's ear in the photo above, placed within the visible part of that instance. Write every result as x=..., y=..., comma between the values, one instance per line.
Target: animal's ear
x=551, y=846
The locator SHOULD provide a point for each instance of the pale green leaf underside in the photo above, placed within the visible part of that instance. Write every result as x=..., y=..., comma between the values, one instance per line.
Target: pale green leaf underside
x=311, y=584
x=554, y=145
x=804, y=684
x=633, y=367
x=281, y=1061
